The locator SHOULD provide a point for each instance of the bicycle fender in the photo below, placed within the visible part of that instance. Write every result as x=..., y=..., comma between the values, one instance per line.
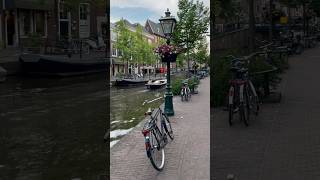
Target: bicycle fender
x=241, y=92
x=231, y=95
x=253, y=89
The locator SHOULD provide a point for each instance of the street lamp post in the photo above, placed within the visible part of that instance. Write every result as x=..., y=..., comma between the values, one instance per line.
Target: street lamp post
x=168, y=23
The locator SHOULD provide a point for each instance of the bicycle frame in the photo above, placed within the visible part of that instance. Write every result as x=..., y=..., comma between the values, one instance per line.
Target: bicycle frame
x=153, y=128
x=236, y=84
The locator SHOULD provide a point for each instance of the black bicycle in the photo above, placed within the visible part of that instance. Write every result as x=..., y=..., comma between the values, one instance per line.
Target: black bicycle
x=155, y=133
x=185, y=92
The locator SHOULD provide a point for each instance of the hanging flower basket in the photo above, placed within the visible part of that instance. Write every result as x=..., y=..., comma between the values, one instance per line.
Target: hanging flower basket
x=168, y=53
x=170, y=58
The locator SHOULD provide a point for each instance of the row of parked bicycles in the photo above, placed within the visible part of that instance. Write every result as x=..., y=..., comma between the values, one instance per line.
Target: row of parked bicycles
x=246, y=93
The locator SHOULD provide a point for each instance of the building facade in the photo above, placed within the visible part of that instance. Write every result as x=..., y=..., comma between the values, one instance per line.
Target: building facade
x=51, y=21
x=117, y=65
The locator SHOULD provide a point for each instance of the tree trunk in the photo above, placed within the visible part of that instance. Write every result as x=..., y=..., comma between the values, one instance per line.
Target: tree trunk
x=271, y=21
x=304, y=19
x=251, y=25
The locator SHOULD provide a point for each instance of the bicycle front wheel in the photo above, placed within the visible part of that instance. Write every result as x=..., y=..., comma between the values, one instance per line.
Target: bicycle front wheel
x=157, y=155
x=167, y=126
x=245, y=110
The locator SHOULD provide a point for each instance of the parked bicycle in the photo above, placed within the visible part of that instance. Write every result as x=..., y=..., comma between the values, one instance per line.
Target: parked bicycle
x=185, y=92
x=155, y=133
x=242, y=94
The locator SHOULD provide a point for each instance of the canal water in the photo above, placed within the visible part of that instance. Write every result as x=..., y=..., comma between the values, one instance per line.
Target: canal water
x=128, y=106
x=50, y=128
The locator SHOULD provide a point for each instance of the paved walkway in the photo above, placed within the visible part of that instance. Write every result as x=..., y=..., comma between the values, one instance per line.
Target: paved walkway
x=187, y=157
x=284, y=141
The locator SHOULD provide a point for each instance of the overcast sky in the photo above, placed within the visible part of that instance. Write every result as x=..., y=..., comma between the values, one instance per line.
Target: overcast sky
x=138, y=11
x=141, y=10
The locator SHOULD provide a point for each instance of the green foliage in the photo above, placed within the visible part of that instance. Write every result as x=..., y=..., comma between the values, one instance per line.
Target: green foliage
x=201, y=55
x=176, y=86
x=193, y=82
x=134, y=44
x=221, y=77
x=193, y=23
x=227, y=9
x=124, y=40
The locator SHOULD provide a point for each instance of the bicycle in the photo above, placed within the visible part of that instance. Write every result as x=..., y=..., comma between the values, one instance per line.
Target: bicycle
x=155, y=135
x=242, y=94
x=185, y=92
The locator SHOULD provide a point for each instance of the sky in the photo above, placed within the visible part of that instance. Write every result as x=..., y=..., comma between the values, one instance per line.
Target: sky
x=138, y=11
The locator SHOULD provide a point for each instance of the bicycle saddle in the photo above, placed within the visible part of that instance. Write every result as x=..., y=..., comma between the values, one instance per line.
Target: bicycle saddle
x=149, y=112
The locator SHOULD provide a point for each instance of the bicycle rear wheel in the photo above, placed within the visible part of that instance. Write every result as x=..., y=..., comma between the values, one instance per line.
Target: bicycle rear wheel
x=167, y=126
x=253, y=99
x=157, y=155
x=245, y=109
x=231, y=104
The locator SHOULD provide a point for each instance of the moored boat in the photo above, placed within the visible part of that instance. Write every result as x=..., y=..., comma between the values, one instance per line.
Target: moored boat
x=156, y=84
x=128, y=81
x=60, y=65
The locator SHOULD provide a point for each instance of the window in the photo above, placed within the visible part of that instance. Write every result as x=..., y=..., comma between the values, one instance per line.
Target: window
x=40, y=24
x=25, y=22
x=63, y=21
x=113, y=36
x=84, y=11
x=63, y=10
x=114, y=50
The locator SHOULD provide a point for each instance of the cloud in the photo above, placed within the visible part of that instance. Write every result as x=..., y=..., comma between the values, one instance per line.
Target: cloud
x=158, y=7
x=133, y=14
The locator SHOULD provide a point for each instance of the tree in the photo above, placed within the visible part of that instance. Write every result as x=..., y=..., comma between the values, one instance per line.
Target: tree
x=201, y=53
x=124, y=42
x=251, y=25
x=138, y=47
x=193, y=22
x=226, y=9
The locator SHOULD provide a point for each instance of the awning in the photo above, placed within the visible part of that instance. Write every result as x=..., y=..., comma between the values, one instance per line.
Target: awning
x=30, y=4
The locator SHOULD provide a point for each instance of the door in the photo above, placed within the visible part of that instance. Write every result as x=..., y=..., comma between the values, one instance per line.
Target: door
x=84, y=20
x=10, y=30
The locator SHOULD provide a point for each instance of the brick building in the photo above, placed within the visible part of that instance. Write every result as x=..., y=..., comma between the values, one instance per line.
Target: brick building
x=50, y=21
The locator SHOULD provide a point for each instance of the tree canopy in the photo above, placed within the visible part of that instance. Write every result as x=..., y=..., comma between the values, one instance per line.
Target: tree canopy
x=193, y=23
x=134, y=46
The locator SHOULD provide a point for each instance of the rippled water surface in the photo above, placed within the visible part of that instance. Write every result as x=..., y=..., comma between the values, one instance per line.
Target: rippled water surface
x=128, y=106
x=50, y=128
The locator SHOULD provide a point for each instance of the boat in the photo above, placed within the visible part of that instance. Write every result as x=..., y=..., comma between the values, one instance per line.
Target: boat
x=156, y=84
x=3, y=74
x=56, y=65
x=130, y=81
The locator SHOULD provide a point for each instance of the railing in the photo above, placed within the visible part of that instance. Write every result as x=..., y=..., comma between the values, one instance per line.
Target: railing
x=231, y=40
x=81, y=48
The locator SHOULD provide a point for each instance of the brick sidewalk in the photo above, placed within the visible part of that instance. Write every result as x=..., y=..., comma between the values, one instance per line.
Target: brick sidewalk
x=187, y=157
x=284, y=141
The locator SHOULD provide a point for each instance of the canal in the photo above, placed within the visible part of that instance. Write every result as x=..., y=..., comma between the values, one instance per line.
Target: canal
x=128, y=106
x=50, y=128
